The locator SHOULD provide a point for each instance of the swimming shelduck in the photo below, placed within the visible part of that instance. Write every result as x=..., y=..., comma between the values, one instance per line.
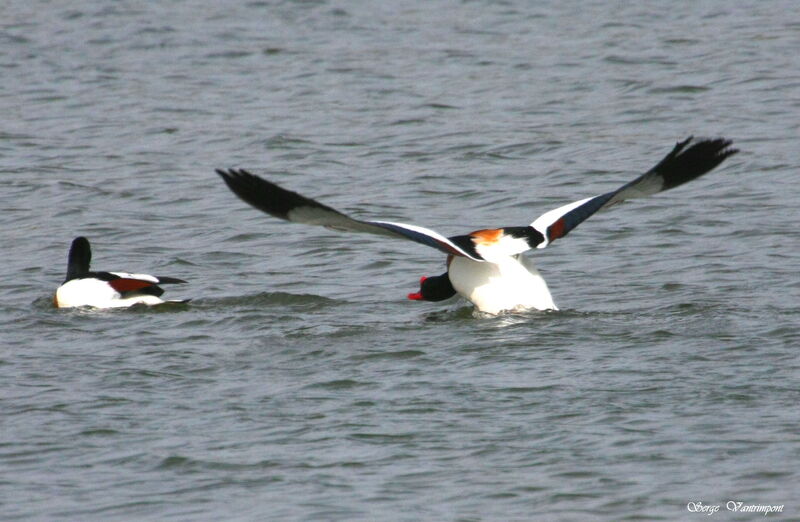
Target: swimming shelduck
x=106, y=289
x=485, y=266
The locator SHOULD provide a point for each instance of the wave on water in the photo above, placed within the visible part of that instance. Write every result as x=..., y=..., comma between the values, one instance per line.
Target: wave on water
x=269, y=299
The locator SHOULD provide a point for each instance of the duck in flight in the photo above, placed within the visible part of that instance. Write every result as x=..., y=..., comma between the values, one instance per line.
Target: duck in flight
x=486, y=266
x=106, y=289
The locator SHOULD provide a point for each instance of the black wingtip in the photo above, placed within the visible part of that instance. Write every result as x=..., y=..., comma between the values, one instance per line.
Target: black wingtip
x=688, y=161
x=169, y=280
x=258, y=192
x=232, y=173
x=265, y=195
x=240, y=181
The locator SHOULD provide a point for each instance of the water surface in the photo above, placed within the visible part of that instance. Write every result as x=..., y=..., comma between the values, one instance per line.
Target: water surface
x=299, y=383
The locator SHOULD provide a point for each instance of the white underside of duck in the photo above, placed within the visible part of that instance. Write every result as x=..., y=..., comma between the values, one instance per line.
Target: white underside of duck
x=97, y=294
x=511, y=283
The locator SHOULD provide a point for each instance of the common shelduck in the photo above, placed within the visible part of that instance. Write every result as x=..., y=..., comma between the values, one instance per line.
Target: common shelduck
x=485, y=266
x=106, y=289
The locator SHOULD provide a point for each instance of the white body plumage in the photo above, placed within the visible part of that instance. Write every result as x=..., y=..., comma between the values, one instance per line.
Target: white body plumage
x=97, y=294
x=511, y=283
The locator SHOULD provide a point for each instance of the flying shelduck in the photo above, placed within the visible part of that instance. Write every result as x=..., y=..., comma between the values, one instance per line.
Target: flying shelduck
x=486, y=266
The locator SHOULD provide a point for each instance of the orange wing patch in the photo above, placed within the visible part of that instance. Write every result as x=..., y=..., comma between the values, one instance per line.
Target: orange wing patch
x=487, y=237
x=127, y=285
x=556, y=230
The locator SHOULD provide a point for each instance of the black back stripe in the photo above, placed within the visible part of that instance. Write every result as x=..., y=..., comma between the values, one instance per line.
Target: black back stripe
x=454, y=247
x=530, y=234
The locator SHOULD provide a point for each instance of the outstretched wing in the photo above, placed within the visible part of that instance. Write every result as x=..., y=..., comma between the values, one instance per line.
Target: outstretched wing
x=291, y=206
x=678, y=167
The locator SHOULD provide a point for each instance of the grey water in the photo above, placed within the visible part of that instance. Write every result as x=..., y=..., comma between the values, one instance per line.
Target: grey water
x=300, y=383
